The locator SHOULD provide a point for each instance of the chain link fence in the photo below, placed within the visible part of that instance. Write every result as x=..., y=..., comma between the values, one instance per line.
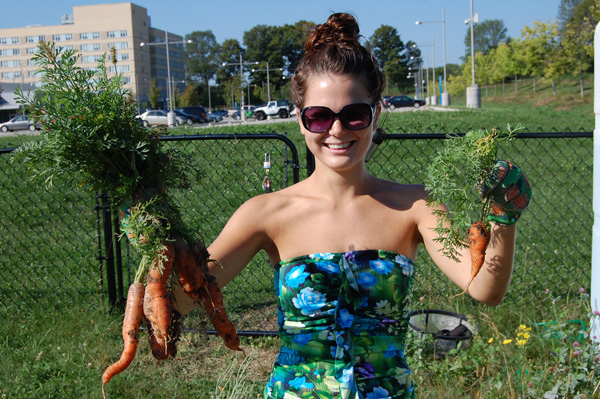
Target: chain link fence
x=53, y=242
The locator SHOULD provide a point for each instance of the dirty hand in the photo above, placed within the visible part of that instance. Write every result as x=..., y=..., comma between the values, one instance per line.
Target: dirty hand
x=508, y=190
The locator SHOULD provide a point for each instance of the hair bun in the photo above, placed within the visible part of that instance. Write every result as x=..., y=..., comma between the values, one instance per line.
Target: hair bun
x=341, y=29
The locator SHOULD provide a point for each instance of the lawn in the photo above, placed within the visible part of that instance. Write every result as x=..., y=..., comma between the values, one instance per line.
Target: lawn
x=538, y=348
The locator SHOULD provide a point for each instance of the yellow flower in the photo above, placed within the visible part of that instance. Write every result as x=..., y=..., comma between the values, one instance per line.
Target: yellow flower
x=523, y=327
x=490, y=340
x=506, y=341
x=521, y=342
x=524, y=335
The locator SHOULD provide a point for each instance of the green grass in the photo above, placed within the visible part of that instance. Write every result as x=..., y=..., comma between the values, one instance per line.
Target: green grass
x=58, y=344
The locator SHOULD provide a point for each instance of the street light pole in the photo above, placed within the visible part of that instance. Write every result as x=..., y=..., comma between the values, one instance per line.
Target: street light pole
x=473, y=93
x=268, y=82
x=242, y=63
x=170, y=115
x=445, y=94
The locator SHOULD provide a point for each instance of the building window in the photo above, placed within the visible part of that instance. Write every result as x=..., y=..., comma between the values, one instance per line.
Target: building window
x=11, y=75
x=91, y=47
x=33, y=50
x=119, y=68
x=9, y=40
x=62, y=37
x=120, y=57
x=86, y=59
x=89, y=35
x=118, y=45
x=10, y=64
x=9, y=52
x=35, y=39
x=116, y=33
x=36, y=74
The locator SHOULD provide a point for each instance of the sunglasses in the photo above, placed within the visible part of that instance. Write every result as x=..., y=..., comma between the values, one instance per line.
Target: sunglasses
x=353, y=116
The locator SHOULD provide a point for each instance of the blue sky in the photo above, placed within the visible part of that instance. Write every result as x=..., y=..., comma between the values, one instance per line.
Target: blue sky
x=231, y=18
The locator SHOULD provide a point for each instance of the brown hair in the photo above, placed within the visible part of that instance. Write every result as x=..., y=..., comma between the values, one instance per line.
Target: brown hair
x=334, y=47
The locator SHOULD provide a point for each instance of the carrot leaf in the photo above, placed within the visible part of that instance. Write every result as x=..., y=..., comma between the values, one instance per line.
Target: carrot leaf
x=452, y=178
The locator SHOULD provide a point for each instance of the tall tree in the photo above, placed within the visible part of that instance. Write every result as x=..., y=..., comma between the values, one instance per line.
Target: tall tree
x=565, y=12
x=535, y=45
x=577, y=21
x=230, y=53
x=265, y=45
x=154, y=94
x=487, y=35
x=506, y=63
x=391, y=54
x=202, y=56
x=294, y=39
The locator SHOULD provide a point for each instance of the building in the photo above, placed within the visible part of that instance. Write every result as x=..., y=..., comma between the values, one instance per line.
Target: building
x=93, y=31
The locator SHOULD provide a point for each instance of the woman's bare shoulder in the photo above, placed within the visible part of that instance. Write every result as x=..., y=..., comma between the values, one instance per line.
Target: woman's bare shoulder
x=403, y=195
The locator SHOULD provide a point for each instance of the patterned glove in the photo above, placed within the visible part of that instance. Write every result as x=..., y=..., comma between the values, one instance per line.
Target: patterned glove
x=509, y=192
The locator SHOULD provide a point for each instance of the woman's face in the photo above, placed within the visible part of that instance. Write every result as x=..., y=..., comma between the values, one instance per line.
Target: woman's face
x=338, y=148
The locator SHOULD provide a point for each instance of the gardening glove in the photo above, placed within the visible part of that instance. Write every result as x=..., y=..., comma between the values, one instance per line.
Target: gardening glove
x=508, y=190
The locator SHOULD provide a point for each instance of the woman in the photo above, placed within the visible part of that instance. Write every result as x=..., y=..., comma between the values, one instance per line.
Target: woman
x=343, y=241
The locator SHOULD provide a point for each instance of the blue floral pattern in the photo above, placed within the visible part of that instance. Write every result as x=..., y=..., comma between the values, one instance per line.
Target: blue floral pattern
x=343, y=320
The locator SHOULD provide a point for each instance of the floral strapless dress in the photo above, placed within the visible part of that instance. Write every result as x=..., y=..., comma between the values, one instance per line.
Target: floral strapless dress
x=342, y=321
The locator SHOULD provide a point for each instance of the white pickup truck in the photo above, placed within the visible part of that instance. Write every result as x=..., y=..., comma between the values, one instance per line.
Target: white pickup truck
x=281, y=108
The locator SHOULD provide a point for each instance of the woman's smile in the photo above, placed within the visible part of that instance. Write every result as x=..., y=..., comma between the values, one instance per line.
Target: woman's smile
x=339, y=146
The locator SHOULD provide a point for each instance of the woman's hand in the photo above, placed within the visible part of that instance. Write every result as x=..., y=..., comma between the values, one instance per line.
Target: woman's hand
x=509, y=192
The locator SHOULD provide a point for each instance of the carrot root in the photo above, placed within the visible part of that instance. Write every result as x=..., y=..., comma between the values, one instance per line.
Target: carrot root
x=479, y=238
x=130, y=332
x=160, y=295
x=191, y=267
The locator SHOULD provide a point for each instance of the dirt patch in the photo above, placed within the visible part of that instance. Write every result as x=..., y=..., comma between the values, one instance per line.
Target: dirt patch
x=544, y=101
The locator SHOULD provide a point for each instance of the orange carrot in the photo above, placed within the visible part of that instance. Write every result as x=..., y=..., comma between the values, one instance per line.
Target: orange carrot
x=161, y=348
x=213, y=305
x=479, y=238
x=195, y=280
x=131, y=326
x=158, y=290
x=189, y=268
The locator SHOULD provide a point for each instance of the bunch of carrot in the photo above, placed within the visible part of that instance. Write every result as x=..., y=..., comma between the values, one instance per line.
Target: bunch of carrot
x=92, y=132
x=153, y=301
x=451, y=177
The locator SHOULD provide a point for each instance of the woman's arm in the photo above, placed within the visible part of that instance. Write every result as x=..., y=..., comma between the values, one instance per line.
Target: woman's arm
x=244, y=235
x=491, y=283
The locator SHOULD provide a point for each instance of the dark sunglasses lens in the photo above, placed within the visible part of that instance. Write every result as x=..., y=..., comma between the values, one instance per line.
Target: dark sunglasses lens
x=317, y=119
x=356, y=116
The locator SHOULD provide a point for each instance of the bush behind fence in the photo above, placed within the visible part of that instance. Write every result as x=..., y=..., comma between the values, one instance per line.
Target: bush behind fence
x=50, y=238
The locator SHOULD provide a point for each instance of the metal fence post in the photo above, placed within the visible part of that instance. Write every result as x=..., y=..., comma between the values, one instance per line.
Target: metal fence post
x=108, y=251
x=595, y=283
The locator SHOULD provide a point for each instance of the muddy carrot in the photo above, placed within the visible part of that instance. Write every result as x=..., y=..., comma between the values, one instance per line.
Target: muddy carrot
x=160, y=295
x=131, y=326
x=213, y=305
x=479, y=238
x=195, y=280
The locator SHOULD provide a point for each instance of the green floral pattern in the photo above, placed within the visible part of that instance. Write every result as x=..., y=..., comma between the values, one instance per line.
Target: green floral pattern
x=343, y=319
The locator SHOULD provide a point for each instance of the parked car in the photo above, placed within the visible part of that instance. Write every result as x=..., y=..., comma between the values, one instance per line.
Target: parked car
x=214, y=117
x=249, y=112
x=197, y=110
x=384, y=101
x=403, y=101
x=20, y=122
x=281, y=108
x=159, y=117
x=191, y=118
x=222, y=112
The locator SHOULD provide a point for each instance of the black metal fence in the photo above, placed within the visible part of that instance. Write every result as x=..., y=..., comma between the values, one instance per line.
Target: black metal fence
x=59, y=246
